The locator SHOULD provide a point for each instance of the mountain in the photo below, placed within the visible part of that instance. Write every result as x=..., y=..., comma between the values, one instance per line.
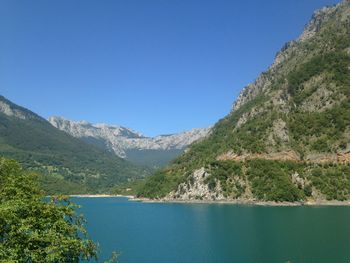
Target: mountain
x=126, y=143
x=69, y=165
x=287, y=137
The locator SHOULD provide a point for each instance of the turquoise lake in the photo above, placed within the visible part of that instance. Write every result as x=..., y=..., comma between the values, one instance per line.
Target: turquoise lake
x=191, y=233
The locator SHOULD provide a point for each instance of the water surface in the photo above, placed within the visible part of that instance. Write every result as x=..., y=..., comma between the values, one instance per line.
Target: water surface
x=190, y=233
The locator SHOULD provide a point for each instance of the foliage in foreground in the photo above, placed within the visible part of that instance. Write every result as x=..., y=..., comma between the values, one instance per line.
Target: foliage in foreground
x=33, y=230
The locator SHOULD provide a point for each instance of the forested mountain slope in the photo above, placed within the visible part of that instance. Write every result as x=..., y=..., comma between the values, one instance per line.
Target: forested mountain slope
x=287, y=137
x=68, y=164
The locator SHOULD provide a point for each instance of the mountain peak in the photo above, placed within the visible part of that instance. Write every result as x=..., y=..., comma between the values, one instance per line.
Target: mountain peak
x=85, y=128
x=317, y=22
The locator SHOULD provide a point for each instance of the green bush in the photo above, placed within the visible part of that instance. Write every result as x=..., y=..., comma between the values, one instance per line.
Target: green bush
x=271, y=180
x=35, y=230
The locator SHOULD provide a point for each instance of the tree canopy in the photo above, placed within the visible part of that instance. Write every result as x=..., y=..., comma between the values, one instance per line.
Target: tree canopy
x=34, y=228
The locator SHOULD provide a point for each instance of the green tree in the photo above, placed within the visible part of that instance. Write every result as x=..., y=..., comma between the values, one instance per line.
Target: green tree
x=33, y=229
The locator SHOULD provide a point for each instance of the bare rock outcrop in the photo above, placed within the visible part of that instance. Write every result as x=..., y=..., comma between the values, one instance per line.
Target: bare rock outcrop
x=197, y=188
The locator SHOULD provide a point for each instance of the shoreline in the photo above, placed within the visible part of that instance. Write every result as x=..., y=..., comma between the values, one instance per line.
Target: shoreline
x=245, y=202
x=100, y=196
x=228, y=202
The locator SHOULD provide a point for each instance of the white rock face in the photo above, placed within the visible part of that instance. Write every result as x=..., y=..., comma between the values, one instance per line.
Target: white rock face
x=196, y=188
x=9, y=111
x=120, y=139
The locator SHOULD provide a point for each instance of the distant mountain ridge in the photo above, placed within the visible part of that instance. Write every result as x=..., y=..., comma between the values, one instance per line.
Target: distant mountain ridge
x=68, y=164
x=129, y=144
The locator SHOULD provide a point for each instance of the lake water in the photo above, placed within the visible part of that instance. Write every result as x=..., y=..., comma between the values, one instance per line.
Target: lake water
x=191, y=233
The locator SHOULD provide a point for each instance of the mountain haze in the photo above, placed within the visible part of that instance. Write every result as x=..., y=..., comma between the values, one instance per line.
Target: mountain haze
x=287, y=137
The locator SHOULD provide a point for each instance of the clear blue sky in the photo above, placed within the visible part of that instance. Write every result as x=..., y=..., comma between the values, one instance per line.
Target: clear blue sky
x=157, y=66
